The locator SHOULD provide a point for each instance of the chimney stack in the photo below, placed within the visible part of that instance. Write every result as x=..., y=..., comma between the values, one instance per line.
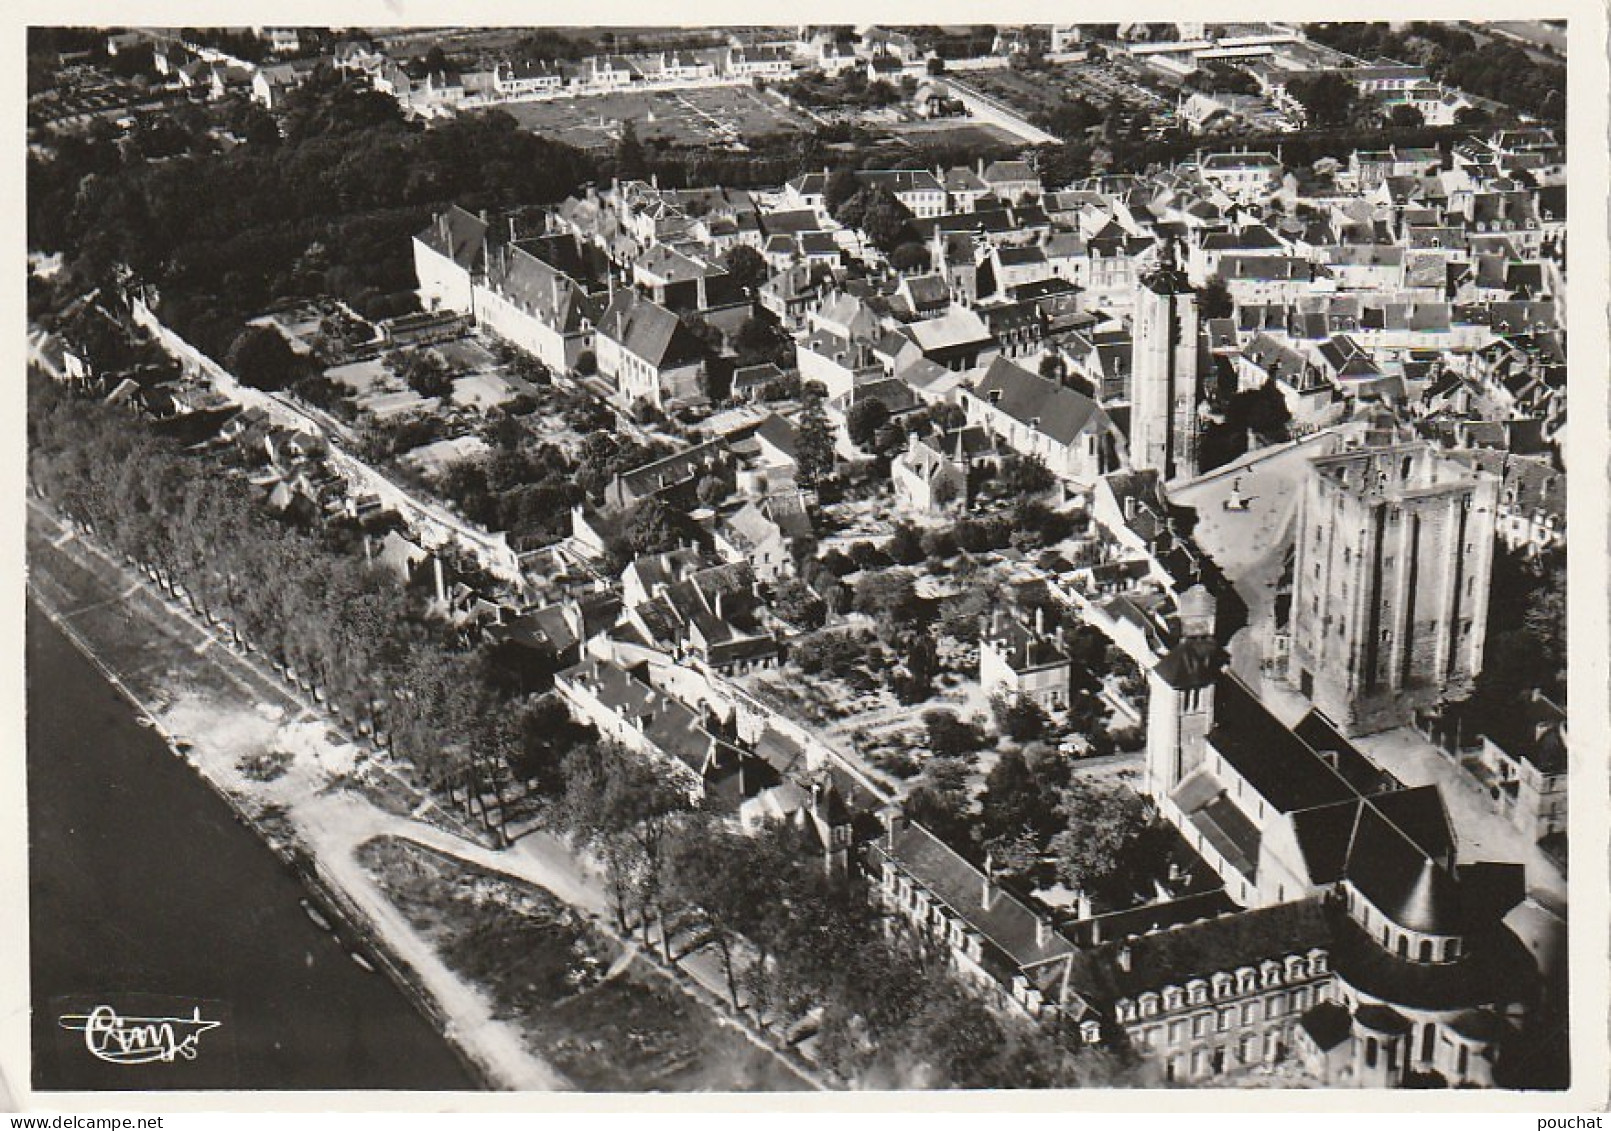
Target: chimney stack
x=1124, y=957
x=1043, y=930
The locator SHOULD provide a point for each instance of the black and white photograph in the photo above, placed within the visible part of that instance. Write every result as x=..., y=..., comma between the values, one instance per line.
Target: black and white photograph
x=862, y=558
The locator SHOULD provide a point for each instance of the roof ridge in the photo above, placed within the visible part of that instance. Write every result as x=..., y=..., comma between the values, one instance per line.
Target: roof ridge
x=1399, y=829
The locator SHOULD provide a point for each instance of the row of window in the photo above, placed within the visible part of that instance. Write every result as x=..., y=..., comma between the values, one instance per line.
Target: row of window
x=1249, y=1050
x=914, y=900
x=1408, y=945
x=1226, y=1018
x=1223, y=985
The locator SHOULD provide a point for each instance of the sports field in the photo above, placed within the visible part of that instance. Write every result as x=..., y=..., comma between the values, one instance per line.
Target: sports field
x=955, y=133
x=725, y=116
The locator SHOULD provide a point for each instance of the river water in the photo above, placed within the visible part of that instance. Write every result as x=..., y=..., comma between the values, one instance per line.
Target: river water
x=146, y=895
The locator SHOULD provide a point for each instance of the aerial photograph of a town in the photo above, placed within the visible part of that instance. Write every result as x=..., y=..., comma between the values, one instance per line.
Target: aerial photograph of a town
x=793, y=558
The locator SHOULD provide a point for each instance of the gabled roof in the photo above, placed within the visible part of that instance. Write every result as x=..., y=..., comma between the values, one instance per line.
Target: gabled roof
x=790, y=222
x=998, y=172
x=1405, y=884
x=649, y=331
x=779, y=433
x=1194, y=662
x=557, y=300
x=1020, y=256
x=1007, y=925
x=1284, y=770
x=1327, y=1025
x=900, y=180
x=958, y=326
x=457, y=234
x=1050, y=408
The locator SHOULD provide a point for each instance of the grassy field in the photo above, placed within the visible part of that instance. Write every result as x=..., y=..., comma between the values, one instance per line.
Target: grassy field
x=955, y=134
x=608, y=1025
x=712, y=116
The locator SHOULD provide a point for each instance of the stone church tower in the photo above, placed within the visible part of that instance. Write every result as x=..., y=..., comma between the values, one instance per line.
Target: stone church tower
x=1180, y=696
x=1164, y=373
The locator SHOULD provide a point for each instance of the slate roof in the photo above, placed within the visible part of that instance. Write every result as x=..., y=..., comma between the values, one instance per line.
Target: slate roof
x=1276, y=762
x=648, y=330
x=556, y=299
x=958, y=326
x=1495, y=966
x=1327, y=1025
x=1020, y=256
x=1194, y=662
x=779, y=433
x=998, y=172
x=1062, y=413
x=900, y=180
x=789, y=223
x=963, y=179
x=928, y=290
x=672, y=265
x=1175, y=956
x=457, y=234
x=1009, y=925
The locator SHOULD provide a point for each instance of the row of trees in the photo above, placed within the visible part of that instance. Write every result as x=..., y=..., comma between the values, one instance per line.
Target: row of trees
x=464, y=720
x=794, y=937
x=1525, y=646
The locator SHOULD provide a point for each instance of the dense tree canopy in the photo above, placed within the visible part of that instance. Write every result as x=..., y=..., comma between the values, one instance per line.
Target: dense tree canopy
x=223, y=234
x=814, y=446
x=1327, y=98
x=262, y=358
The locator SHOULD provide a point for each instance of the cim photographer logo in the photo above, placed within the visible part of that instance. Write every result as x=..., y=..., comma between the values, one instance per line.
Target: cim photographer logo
x=120, y=1038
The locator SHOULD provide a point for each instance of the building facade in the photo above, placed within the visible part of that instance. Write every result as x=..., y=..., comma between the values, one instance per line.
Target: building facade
x=1394, y=556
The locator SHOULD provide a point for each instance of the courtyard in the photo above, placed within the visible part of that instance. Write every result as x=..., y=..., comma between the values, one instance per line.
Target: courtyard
x=1250, y=544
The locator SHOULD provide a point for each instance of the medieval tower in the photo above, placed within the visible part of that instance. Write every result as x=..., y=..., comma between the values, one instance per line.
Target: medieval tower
x=1392, y=565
